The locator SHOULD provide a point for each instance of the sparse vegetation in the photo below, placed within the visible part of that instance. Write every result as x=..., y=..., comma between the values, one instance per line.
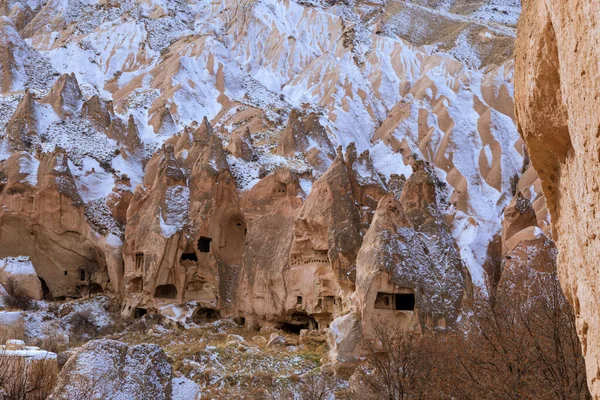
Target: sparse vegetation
x=82, y=326
x=519, y=344
x=17, y=297
x=23, y=380
x=522, y=344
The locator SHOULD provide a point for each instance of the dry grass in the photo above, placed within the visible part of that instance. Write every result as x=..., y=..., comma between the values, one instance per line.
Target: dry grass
x=229, y=371
x=200, y=352
x=17, y=298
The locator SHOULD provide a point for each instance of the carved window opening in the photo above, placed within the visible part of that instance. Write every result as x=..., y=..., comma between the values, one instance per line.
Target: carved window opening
x=166, y=291
x=395, y=301
x=280, y=188
x=137, y=284
x=299, y=300
x=204, y=244
x=405, y=302
x=139, y=261
x=82, y=274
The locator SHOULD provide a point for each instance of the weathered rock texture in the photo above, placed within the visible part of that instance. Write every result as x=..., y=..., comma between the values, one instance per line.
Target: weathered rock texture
x=109, y=369
x=43, y=218
x=408, y=271
x=557, y=69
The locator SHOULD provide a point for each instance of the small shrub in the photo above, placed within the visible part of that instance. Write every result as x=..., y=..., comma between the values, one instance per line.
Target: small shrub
x=317, y=386
x=17, y=298
x=82, y=325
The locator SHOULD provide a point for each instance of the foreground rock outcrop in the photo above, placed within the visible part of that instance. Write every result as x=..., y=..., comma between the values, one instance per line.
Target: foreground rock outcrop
x=556, y=93
x=110, y=369
x=26, y=372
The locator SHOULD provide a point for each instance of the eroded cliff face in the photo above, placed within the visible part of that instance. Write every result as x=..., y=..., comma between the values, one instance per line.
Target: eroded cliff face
x=556, y=93
x=42, y=217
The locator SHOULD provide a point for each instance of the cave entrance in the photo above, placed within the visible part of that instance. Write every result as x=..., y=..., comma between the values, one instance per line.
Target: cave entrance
x=46, y=293
x=204, y=315
x=140, y=312
x=189, y=257
x=395, y=301
x=204, y=244
x=96, y=288
x=166, y=291
x=234, y=240
x=297, y=322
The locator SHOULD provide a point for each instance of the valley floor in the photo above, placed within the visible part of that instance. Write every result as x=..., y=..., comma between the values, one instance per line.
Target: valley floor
x=223, y=359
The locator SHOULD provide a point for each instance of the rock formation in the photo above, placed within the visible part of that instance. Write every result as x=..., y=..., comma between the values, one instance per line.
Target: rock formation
x=408, y=272
x=43, y=218
x=22, y=273
x=111, y=369
x=556, y=97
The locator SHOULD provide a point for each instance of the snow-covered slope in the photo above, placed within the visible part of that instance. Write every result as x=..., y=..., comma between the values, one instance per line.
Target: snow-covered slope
x=246, y=64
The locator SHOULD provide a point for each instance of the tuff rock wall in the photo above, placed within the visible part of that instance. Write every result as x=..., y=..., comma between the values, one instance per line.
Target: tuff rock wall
x=556, y=92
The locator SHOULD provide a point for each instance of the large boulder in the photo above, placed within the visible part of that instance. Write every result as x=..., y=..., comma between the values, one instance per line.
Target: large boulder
x=20, y=271
x=344, y=338
x=185, y=389
x=109, y=369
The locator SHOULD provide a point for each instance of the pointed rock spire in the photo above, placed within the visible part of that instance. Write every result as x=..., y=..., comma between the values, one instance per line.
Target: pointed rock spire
x=203, y=133
x=23, y=124
x=132, y=138
x=58, y=161
x=169, y=167
x=98, y=112
x=240, y=145
x=65, y=96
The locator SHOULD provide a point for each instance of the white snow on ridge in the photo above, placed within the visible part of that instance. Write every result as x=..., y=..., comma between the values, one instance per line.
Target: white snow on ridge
x=17, y=265
x=29, y=165
x=388, y=162
x=92, y=181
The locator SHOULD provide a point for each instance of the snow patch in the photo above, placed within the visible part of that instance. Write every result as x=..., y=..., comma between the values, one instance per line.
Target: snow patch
x=177, y=202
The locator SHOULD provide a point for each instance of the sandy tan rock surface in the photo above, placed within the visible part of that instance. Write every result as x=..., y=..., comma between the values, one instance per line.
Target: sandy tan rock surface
x=556, y=96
